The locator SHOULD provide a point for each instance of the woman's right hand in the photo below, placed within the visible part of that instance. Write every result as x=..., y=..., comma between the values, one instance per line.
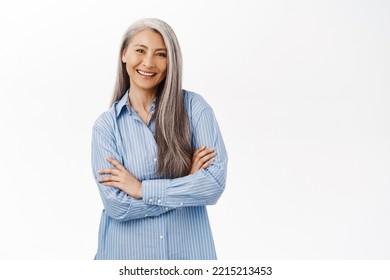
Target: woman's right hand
x=202, y=158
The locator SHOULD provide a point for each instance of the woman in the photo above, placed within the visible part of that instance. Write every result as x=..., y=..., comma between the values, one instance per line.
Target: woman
x=158, y=157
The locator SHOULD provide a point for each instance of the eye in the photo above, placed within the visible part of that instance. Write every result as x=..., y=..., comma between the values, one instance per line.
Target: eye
x=161, y=54
x=139, y=50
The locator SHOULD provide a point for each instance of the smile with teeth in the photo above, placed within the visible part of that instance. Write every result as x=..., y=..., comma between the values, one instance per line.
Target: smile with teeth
x=148, y=74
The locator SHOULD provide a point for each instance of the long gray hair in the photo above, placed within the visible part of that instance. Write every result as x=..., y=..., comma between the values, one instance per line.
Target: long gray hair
x=172, y=125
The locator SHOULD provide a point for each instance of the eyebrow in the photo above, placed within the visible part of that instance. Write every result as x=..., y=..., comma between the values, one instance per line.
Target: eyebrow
x=143, y=46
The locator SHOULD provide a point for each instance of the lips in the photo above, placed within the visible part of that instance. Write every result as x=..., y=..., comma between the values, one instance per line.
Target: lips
x=146, y=74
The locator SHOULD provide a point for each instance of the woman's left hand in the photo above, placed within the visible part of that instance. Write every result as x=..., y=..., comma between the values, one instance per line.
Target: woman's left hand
x=122, y=179
x=202, y=158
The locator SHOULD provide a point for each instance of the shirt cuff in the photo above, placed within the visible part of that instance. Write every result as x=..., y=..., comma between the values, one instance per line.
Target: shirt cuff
x=153, y=192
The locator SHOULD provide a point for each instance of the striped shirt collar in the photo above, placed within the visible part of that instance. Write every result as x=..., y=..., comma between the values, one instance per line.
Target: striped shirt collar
x=124, y=102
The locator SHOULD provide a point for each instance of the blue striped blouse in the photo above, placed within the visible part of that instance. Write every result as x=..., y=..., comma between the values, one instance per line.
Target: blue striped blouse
x=170, y=221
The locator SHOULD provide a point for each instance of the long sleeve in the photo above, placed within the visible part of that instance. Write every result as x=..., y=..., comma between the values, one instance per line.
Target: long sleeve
x=201, y=188
x=118, y=205
x=170, y=222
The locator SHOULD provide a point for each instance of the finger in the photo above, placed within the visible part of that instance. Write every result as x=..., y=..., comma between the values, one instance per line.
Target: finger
x=207, y=163
x=207, y=158
x=203, y=153
x=203, y=162
x=109, y=179
x=112, y=184
x=201, y=148
x=116, y=163
x=112, y=171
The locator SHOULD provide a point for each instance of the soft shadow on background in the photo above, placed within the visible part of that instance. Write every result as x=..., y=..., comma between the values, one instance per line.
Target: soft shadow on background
x=300, y=90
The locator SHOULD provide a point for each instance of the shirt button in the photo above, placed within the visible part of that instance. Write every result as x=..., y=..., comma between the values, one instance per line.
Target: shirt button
x=155, y=159
x=150, y=200
x=158, y=201
x=181, y=203
x=166, y=208
x=146, y=215
x=161, y=237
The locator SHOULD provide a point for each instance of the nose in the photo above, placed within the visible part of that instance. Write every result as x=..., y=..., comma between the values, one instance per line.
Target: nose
x=148, y=61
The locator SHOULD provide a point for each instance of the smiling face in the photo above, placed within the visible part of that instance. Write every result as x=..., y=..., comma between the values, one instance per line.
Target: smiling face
x=146, y=61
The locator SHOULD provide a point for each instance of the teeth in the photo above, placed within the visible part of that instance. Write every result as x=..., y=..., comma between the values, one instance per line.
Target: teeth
x=145, y=73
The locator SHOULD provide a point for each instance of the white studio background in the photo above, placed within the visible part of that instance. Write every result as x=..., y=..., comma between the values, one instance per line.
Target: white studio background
x=300, y=89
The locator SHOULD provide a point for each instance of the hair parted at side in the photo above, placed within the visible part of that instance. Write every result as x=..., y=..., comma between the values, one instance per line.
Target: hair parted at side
x=172, y=125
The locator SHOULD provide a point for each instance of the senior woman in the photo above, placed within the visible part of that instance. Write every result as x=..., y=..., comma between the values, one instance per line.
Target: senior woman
x=158, y=157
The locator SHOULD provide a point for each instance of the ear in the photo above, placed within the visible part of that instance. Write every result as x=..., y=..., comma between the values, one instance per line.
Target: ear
x=124, y=56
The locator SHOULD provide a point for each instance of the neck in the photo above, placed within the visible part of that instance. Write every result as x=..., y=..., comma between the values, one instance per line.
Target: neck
x=141, y=99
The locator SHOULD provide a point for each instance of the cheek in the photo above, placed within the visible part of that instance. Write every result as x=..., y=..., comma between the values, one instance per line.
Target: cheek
x=164, y=73
x=129, y=70
x=164, y=68
x=130, y=67
x=132, y=61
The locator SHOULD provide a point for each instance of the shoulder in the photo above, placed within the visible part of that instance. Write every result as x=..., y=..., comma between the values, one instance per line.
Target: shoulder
x=195, y=103
x=106, y=121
